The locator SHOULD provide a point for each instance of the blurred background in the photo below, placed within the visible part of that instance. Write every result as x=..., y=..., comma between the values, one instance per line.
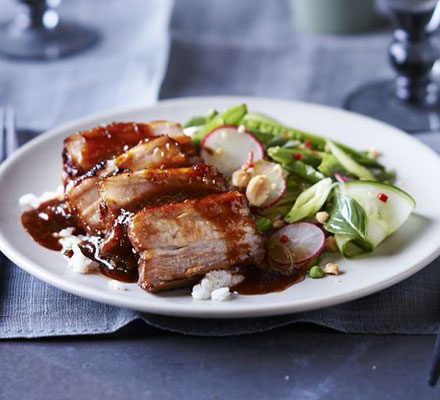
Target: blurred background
x=248, y=47
x=104, y=54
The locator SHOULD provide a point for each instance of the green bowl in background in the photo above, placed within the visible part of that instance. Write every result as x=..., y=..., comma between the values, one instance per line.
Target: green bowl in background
x=335, y=16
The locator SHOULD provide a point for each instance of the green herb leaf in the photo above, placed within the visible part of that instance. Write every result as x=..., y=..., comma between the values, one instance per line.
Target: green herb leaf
x=347, y=218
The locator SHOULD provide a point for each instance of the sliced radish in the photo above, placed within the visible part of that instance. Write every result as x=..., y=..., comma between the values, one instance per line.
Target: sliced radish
x=276, y=175
x=300, y=243
x=228, y=148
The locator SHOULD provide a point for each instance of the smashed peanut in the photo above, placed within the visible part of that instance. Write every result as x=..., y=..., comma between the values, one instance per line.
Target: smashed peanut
x=373, y=153
x=322, y=217
x=332, y=269
x=257, y=191
x=330, y=244
x=279, y=223
x=241, y=178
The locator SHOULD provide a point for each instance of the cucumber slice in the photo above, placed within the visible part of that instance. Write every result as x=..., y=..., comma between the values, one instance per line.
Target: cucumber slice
x=387, y=207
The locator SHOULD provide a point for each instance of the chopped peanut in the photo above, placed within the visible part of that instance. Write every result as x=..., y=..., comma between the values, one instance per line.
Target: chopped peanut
x=330, y=244
x=279, y=223
x=240, y=178
x=332, y=269
x=322, y=217
x=373, y=153
x=257, y=191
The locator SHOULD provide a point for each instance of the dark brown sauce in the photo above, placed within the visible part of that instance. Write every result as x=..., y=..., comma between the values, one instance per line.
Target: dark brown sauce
x=120, y=262
x=259, y=281
x=46, y=221
x=119, y=266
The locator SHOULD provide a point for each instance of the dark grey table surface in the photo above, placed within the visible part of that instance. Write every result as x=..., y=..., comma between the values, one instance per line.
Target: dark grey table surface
x=289, y=363
x=296, y=362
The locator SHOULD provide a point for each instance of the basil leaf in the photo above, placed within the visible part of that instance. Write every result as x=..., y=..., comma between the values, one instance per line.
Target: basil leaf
x=347, y=218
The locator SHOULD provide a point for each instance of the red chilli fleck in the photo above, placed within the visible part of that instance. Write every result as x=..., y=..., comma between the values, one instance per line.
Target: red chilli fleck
x=382, y=197
x=284, y=239
x=307, y=144
x=297, y=156
x=250, y=161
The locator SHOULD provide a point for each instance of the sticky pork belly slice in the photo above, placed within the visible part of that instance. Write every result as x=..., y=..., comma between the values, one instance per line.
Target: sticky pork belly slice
x=83, y=196
x=83, y=150
x=156, y=152
x=133, y=190
x=84, y=199
x=178, y=243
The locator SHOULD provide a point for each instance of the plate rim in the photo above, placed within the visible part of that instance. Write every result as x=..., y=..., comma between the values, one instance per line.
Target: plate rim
x=188, y=310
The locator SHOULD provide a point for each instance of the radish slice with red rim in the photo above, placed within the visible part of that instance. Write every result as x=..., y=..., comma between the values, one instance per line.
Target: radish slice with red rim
x=301, y=242
x=228, y=148
x=276, y=175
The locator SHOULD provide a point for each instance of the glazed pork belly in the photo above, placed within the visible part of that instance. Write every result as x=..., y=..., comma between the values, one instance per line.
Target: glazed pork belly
x=128, y=192
x=157, y=152
x=83, y=150
x=133, y=190
x=83, y=196
x=180, y=242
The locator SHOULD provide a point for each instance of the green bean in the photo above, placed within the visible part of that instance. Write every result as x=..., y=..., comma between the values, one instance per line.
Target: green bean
x=305, y=171
x=287, y=156
x=255, y=122
x=361, y=158
x=201, y=120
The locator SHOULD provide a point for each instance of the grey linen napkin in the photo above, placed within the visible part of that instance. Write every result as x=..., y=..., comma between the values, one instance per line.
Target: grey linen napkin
x=218, y=47
x=125, y=69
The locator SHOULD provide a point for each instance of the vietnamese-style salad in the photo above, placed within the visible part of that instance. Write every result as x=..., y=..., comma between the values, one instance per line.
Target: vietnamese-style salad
x=308, y=193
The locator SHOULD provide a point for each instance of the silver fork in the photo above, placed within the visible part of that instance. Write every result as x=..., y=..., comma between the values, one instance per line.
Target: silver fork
x=8, y=141
x=8, y=133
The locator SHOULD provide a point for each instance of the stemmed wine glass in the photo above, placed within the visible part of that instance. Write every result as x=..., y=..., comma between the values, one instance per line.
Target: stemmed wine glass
x=38, y=33
x=411, y=101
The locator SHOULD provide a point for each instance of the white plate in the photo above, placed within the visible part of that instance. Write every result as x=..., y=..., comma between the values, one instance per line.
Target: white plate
x=36, y=167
